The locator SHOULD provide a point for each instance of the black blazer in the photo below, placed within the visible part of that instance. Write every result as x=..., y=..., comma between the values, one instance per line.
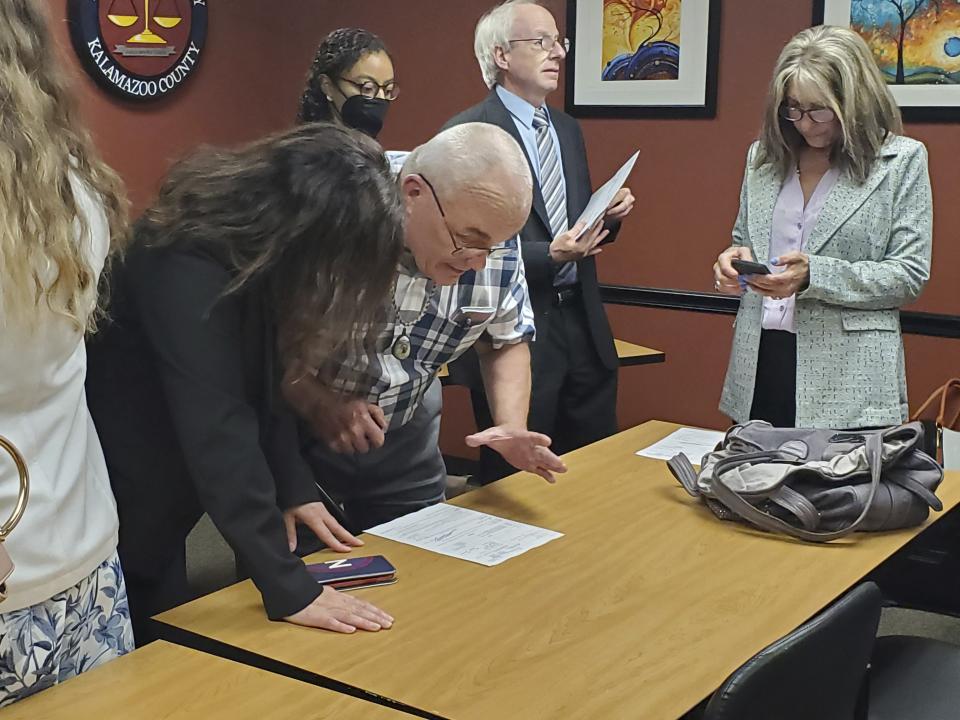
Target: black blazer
x=536, y=236
x=183, y=387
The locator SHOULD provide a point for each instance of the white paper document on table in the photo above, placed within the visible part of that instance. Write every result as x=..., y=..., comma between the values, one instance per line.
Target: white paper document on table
x=465, y=534
x=601, y=199
x=692, y=442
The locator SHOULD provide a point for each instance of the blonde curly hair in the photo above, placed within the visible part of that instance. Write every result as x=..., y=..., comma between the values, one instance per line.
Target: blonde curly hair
x=43, y=232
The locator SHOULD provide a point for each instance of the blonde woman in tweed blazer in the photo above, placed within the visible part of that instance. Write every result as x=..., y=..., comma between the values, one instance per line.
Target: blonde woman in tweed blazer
x=838, y=202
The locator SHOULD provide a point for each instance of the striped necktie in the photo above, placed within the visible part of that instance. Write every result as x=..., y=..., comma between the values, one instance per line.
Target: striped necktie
x=552, y=189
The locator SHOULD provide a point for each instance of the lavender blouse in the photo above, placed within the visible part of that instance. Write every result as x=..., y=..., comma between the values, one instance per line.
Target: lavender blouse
x=792, y=225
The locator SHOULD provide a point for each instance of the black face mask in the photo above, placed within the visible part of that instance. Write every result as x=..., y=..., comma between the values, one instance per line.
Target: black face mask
x=364, y=114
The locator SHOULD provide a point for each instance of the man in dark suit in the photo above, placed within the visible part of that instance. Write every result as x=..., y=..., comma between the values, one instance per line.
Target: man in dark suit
x=574, y=361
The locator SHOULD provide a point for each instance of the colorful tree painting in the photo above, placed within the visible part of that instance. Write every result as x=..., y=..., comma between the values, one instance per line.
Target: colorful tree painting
x=914, y=41
x=641, y=39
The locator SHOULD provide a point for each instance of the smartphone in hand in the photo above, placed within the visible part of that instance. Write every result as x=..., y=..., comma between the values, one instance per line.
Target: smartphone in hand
x=748, y=267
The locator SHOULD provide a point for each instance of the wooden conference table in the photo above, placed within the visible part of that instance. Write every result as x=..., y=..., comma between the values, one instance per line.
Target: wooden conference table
x=640, y=611
x=630, y=354
x=176, y=683
x=627, y=352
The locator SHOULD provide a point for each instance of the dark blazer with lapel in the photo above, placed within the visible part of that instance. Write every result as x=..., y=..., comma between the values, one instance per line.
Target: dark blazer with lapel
x=182, y=386
x=535, y=237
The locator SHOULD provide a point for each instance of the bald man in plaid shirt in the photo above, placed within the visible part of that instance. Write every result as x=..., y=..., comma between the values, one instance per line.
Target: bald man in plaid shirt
x=460, y=284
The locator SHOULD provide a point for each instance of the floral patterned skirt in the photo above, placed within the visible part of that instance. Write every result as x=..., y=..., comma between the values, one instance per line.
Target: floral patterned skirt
x=76, y=630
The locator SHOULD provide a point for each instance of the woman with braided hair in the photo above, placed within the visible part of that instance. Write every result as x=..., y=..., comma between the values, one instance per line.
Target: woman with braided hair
x=351, y=82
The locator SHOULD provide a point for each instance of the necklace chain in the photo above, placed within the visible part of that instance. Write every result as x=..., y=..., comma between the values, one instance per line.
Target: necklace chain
x=423, y=309
x=402, y=347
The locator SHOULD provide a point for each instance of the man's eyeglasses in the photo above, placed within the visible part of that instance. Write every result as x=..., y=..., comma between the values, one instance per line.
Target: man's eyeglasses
x=795, y=114
x=492, y=253
x=370, y=89
x=546, y=42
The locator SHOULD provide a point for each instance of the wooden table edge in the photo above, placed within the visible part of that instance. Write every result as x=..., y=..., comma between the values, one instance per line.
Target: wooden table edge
x=217, y=648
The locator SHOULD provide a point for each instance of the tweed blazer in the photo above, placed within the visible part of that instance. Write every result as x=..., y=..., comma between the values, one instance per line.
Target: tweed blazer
x=869, y=255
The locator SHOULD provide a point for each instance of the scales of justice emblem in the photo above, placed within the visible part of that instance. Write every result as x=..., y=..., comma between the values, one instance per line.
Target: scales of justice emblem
x=145, y=43
x=139, y=49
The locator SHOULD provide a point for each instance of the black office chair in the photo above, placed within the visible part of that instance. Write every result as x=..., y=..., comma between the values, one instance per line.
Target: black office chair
x=815, y=673
x=914, y=678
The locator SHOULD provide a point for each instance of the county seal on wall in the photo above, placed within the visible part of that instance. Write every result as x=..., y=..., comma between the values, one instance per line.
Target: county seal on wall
x=139, y=49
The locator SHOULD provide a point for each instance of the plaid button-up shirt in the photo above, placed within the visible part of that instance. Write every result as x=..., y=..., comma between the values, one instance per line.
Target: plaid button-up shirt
x=433, y=319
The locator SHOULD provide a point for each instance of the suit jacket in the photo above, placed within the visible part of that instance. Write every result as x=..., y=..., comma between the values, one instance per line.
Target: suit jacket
x=869, y=255
x=183, y=391
x=536, y=236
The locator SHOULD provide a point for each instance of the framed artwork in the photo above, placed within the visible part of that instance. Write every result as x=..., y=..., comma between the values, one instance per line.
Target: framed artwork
x=642, y=58
x=916, y=44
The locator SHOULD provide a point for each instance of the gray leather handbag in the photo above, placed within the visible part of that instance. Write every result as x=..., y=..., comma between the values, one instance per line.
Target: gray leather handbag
x=816, y=485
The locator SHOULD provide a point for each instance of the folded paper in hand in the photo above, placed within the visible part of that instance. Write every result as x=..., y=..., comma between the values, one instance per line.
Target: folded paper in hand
x=602, y=198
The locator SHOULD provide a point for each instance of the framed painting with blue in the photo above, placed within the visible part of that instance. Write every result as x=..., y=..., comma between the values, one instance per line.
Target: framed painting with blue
x=642, y=58
x=916, y=44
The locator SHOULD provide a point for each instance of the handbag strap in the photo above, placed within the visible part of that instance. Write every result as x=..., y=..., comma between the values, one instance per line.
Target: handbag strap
x=921, y=491
x=685, y=473
x=797, y=505
x=943, y=393
x=783, y=496
x=950, y=391
x=24, y=495
x=787, y=498
x=765, y=521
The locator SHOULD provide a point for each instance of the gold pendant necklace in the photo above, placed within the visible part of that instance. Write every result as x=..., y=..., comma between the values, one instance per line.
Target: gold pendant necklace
x=402, y=347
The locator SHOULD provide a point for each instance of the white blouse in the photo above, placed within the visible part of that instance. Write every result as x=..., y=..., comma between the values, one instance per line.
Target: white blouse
x=70, y=523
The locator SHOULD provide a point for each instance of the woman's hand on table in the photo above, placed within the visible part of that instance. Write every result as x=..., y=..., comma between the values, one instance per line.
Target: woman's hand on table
x=339, y=612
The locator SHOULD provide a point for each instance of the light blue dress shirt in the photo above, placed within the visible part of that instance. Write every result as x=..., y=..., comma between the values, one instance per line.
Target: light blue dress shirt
x=522, y=113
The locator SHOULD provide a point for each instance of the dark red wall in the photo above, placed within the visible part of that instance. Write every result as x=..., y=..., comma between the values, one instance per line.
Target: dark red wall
x=690, y=170
x=688, y=181
x=247, y=84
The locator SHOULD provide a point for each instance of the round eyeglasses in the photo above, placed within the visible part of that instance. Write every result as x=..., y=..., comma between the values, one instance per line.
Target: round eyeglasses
x=370, y=89
x=546, y=42
x=795, y=114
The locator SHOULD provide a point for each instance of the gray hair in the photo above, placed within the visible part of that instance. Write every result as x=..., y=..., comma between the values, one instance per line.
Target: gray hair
x=475, y=155
x=839, y=63
x=493, y=31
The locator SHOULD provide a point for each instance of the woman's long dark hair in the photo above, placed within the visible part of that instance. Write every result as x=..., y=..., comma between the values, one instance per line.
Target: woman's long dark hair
x=314, y=213
x=338, y=52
